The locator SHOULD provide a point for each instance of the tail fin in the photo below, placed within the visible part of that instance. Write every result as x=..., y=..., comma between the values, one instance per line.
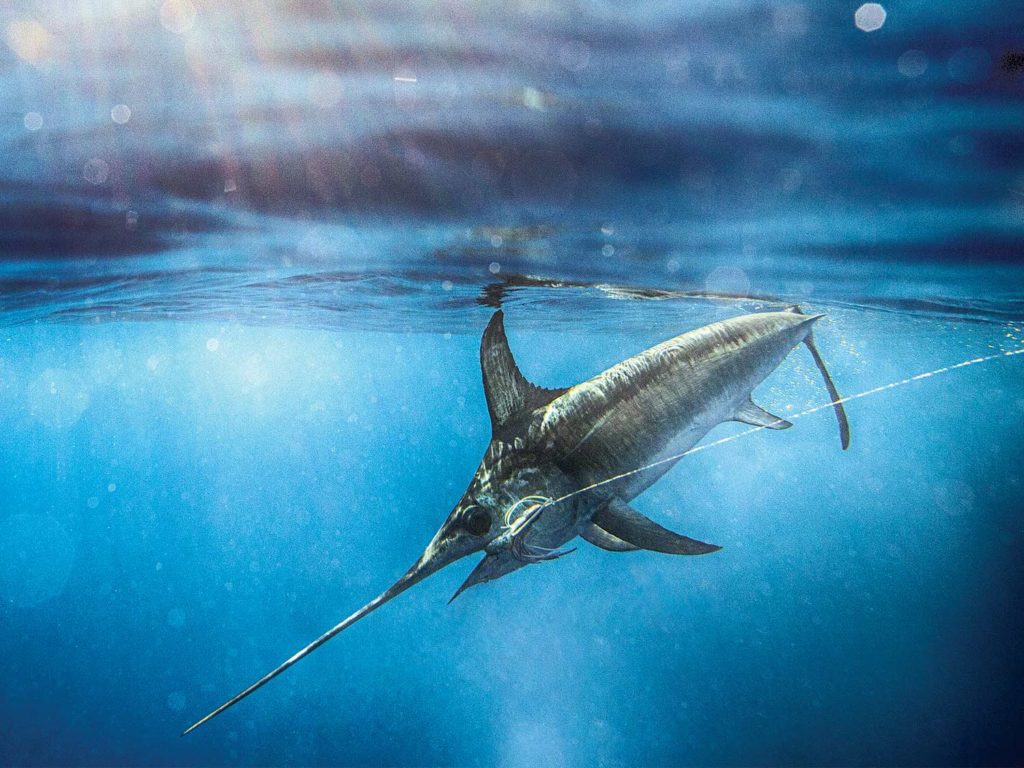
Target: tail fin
x=833, y=393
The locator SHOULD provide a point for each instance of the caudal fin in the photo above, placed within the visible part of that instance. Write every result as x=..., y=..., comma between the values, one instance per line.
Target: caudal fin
x=833, y=393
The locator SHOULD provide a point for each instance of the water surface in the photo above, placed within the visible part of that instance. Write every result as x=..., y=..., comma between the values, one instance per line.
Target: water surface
x=246, y=255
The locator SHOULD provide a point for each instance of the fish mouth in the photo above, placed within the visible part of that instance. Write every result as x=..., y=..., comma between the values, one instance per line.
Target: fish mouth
x=524, y=513
x=518, y=520
x=518, y=525
x=510, y=550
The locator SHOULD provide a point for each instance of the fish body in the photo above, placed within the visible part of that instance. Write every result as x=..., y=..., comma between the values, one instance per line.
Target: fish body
x=565, y=463
x=665, y=399
x=636, y=414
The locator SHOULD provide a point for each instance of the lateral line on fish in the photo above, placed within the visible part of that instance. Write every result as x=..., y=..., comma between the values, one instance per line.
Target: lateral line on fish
x=801, y=414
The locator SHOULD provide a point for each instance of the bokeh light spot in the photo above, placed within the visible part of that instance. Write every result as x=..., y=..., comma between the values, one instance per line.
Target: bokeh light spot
x=969, y=65
x=29, y=40
x=57, y=399
x=96, y=171
x=789, y=20
x=533, y=99
x=33, y=121
x=326, y=89
x=912, y=63
x=36, y=556
x=177, y=16
x=728, y=281
x=869, y=17
x=574, y=55
x=790, y=180
x=121, y=114
x=954, y=497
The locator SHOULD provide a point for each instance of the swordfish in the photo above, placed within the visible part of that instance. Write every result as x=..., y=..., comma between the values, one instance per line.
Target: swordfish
x=565, y=463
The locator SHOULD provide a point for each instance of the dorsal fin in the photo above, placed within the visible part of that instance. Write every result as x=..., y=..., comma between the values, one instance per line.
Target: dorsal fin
x=508, y=392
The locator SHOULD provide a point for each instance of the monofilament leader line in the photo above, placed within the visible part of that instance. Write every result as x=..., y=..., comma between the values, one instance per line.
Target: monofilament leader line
x=801, y=414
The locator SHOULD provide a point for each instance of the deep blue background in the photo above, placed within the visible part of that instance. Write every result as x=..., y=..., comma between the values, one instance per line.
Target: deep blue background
x=864, y=608
x=239, y=386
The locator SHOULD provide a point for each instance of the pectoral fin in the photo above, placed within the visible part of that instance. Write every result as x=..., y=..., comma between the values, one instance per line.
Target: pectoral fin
x=756, y=416
x=601, y=538
x=628, y=525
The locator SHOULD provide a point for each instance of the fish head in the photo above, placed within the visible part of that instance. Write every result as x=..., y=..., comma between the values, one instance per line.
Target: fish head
x=470, y=527
x=501, y=514
x=481, y=516
x=506, y=487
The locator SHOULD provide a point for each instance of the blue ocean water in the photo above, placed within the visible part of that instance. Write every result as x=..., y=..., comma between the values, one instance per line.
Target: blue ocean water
x=246, y=255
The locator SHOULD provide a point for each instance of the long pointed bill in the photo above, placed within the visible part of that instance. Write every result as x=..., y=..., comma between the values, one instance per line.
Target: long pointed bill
x=414, y=575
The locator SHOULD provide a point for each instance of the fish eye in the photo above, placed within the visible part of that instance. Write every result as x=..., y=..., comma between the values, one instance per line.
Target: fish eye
x=477, y=521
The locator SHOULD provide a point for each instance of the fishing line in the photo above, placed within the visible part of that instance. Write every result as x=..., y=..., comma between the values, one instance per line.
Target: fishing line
x=516, y=527
x=512, y=522
x=793, y=417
